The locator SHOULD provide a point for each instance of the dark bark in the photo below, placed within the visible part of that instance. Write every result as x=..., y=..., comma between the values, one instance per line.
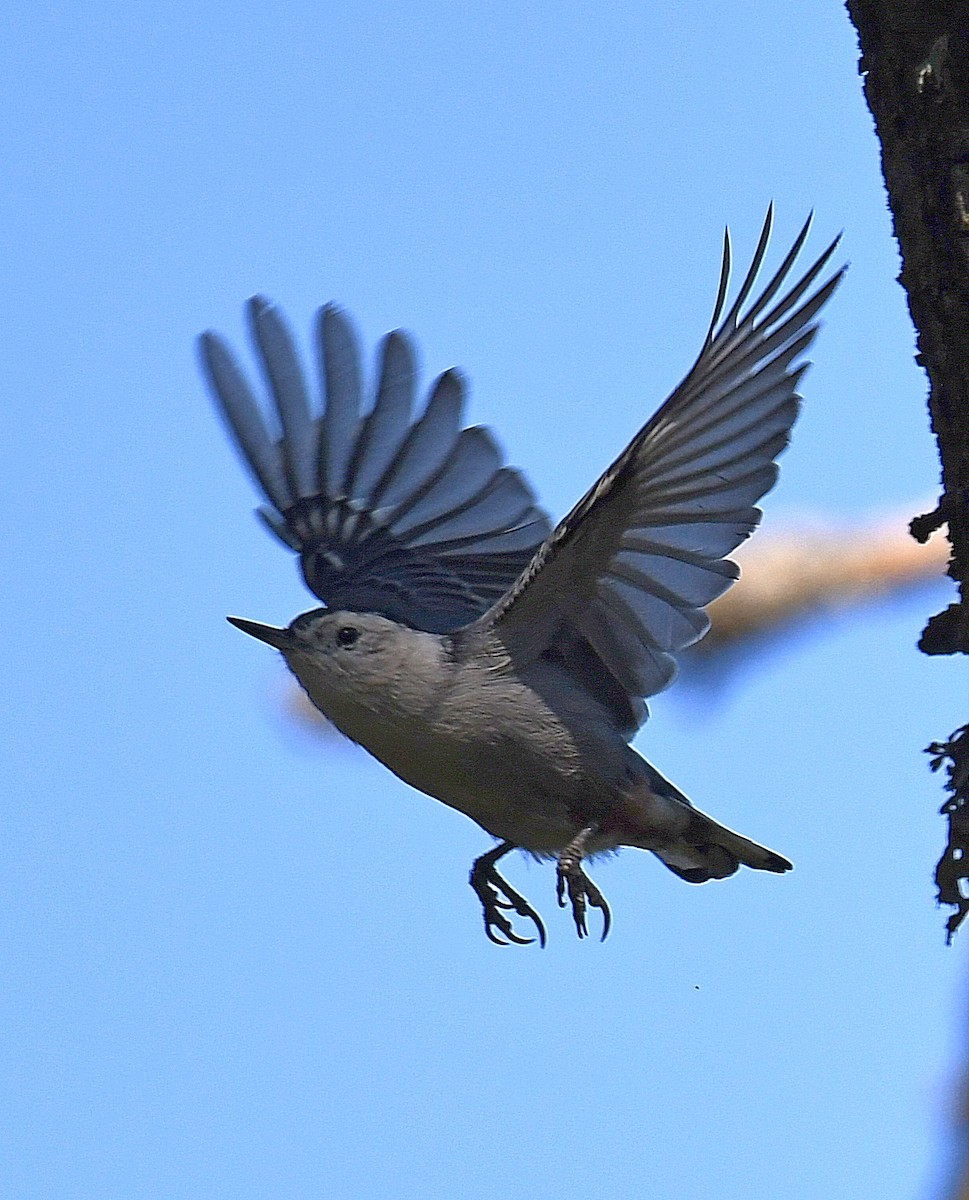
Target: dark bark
x=915, y=62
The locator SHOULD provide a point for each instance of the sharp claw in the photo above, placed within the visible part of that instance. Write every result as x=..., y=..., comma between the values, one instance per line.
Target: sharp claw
x=497, y=921
x=573, y=882
x=524, y=910
x=492, y=936
x=606, y=919
x=595, y=898
x=498, y=897
x=520, y=941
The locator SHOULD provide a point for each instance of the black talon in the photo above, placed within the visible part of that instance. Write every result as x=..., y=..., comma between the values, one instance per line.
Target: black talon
x=496, y=894
x=492, y=936
x=581, y=891
x=606, y=917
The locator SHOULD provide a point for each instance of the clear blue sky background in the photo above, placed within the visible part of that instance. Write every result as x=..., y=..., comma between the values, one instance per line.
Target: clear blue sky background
x=240, y=963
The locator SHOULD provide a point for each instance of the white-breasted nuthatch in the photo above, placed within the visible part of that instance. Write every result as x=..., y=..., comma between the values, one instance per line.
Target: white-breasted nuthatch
x=497, y=664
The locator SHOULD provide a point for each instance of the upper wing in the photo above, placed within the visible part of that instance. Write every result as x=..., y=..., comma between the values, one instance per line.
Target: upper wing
x=620, y=585
x=414, y=518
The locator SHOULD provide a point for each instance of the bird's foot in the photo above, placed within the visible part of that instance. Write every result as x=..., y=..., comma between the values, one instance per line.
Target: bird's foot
x=571, y=880
x=498, y=897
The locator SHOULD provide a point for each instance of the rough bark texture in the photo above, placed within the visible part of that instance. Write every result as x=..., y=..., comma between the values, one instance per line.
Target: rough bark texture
x=915, y=61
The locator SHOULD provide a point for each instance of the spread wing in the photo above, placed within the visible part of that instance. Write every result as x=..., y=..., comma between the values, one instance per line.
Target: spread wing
x=621, y=584
x=411, y=517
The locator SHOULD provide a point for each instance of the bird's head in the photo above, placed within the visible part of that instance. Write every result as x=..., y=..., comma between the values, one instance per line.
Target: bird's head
x=351, y=663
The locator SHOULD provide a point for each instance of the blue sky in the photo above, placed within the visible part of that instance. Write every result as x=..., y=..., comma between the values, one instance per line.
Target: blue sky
x=238, y=962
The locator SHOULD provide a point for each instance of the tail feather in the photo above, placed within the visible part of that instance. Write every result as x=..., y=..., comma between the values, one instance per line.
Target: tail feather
x=708, y=850
x=705, y=849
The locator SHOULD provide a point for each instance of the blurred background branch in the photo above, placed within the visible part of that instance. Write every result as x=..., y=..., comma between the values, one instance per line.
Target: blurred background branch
x=788, y=578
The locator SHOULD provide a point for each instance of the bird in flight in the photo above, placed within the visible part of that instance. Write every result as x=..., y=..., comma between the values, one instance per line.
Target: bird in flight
x=488, y=659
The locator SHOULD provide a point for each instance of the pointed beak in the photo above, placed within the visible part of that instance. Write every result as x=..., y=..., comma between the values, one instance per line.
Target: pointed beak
x=280, y=639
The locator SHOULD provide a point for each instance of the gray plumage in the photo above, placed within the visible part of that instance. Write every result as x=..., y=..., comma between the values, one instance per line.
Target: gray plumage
x=414, y=518
x=491, y=662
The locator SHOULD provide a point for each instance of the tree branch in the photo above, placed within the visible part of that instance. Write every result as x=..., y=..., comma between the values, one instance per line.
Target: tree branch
x=915, y=60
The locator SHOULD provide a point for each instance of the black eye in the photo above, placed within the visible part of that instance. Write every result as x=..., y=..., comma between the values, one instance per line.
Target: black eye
x=346, y=635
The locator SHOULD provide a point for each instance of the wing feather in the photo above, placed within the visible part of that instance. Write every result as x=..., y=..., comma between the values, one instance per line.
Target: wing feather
x=632, y=567
x=413, y=518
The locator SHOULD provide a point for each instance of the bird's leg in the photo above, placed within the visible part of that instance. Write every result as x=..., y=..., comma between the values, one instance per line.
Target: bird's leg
x=496, y=894
x=581, y=890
